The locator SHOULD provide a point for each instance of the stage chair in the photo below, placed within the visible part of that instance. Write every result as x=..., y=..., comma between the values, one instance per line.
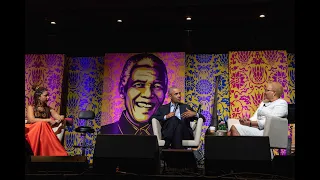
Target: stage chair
x=58, y=130
x=275, y=128
x=195, y=125
x=86, y=115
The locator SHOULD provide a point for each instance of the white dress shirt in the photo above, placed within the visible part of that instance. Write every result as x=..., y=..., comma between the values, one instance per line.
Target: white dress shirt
x=177, y=114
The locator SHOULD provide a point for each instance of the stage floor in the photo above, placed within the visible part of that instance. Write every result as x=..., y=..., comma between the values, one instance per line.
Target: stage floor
x=165, y=173
x=174, y=164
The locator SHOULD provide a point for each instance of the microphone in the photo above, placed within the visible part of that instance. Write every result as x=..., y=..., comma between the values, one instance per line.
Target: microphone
x=196, y=120
x=199, y=109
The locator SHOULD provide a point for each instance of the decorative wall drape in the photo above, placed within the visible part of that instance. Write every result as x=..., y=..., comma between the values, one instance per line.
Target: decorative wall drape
x=93, y=84
x=44, y=70
x=249, y=72
x=292, y=92
x=84, y=93
x=202, y=71
x=292, y=77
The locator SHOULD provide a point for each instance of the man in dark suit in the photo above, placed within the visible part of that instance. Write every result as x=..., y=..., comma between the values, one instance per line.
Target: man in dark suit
x=175, y=120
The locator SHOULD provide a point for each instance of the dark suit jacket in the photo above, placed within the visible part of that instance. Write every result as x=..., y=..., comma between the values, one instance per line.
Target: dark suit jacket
x=165, y=109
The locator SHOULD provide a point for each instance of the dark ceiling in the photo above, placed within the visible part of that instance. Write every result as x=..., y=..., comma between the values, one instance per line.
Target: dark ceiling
x=90, y=28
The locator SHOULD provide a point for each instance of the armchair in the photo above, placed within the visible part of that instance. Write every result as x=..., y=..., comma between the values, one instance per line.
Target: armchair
x=275, y=128
x=195, y=125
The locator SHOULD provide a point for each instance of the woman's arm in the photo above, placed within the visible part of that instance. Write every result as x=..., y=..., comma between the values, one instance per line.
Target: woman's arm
x=56, y=116
x=32, y=119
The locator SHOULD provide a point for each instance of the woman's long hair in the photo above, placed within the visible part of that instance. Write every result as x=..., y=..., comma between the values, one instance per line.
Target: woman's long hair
x=41, y=110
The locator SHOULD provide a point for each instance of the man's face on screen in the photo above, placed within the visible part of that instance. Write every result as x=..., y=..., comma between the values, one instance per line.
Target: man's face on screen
x=145, y=93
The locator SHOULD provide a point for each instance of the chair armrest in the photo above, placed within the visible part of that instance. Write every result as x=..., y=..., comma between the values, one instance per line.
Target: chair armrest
x=156, y=127
x=198, y=129
x=277, y=130
x=231, y=122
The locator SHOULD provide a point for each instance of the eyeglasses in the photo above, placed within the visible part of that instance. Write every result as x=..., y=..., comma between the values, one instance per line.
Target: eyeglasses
x=269, y=90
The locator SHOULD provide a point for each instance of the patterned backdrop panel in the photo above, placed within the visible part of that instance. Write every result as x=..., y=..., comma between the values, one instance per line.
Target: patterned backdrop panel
x=292, y=77
x=202, y=71
x=292, y=92
x=44, y=70
x=249, y=73
x=291, y=85
x=113, y=102
x=84, y=93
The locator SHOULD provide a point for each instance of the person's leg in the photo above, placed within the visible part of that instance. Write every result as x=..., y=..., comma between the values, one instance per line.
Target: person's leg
x=229, y=133
x=241, y=130
x=182, y=132
x=177, y=137
x=43, y=141
x=168, y=130
x=234, y=131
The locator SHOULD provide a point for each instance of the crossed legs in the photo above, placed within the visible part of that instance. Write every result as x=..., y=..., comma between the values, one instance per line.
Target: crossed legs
x=174, y=131
x=233, y=131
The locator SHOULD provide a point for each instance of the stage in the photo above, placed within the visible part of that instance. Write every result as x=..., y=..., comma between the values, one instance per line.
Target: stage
x=74, y=168
x=221, y=157
x=148, y=177
x=174, y=174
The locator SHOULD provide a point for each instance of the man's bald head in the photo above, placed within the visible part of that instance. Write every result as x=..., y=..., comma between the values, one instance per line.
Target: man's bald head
x=277, y=88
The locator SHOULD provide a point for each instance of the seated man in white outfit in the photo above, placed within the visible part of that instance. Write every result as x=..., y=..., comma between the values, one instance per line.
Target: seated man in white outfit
x=273, y=105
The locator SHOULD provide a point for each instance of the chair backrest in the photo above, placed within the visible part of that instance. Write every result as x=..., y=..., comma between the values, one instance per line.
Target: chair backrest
x=277, y=130
x=156, y=127
x=197, y=130
x=86, y=115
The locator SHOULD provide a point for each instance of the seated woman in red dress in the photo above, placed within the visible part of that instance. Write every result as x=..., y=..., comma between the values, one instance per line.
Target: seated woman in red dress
x=38, y=132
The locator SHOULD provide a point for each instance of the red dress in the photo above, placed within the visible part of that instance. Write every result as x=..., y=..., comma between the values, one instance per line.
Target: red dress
x=43, y=140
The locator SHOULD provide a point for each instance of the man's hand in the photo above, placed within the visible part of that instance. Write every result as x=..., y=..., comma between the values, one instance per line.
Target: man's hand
x=170, y=115
x=188, y=114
